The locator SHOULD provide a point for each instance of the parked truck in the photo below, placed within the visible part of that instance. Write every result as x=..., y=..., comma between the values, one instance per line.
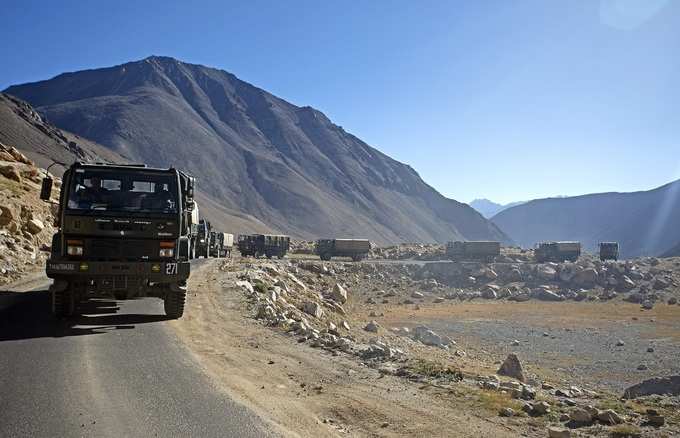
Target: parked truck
x=269, y=245
x=609, y=251
x=203, y=239
x=221, y=244
x=557, y=251
x=123, y=232
x=357, y=249
x=473, y=250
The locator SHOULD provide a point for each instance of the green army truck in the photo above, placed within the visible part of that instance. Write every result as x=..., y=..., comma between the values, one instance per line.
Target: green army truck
x=123, y=232
x=357, y=249
x=221, y=244
x=474, y=250
x=203, y=239
x=609, y=251
x=268, y=245
x=557, y=251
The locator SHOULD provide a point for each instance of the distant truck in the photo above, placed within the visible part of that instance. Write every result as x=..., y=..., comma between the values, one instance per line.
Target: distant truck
x=268, y=245
x=203, y=239
x=609, y=251
x=357, y=249
x=557, y=251
x=123, y=233
x=473, y=250
x=220, y=244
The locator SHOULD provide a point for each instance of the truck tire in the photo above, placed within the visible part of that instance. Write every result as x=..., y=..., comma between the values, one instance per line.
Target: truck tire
x=64, y=302
x=174, y=301
x=325, y=257
x=192, y=251
x=356, y=258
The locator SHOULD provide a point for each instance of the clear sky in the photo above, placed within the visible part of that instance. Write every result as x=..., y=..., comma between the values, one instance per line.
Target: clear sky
x=508, y=100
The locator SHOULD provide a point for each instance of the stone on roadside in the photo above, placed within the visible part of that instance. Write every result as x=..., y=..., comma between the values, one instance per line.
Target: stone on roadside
x=312, y=308
x=506, y=412
x=581, y=416
x=246, y=285
x=609, y=416
x=339, y=294
x=558, y=432
x=511, y=367
x=417, y=295
x=428, y=337
x=372, y=327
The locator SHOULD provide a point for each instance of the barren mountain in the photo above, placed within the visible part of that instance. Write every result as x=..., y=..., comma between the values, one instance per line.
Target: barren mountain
x=253, y=152
x=645, y=223
x=489, y=208
x=22, y=127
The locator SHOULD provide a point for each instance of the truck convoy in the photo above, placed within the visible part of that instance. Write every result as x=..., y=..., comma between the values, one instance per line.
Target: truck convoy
x=203, y=239
x=269, y=245
x=557, y=251
x=473, y=250
x=123, y=232
x=357, y=249
x=609, y=251
x=221, y=244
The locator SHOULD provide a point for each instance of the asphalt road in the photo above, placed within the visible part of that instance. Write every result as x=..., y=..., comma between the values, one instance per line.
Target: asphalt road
x=115, y=371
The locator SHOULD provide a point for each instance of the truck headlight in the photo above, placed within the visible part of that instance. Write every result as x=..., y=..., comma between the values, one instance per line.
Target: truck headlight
x=167, y=249
x=74, y=247
x=166, y=252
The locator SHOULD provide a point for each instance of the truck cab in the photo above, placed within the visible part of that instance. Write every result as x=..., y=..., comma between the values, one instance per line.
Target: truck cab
x=122, y=233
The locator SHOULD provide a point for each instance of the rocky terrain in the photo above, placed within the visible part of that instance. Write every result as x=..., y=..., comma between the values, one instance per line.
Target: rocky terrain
x=256, y=154
x=644, y=222
x=541, y=347
x=26, y=222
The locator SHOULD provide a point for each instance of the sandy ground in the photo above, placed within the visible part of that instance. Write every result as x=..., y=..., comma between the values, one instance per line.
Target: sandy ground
x=310, y=392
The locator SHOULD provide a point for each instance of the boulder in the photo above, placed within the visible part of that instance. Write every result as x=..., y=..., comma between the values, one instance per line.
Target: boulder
x=426, y=336
x=546, y=272
x=567, y=272
x=586, y=278
x=417, y=295
x=546, y=295
x=661, y=283
x=581, y=416
x=609, y=416
x=10, y=172
x=34, y=226
x=489, y=293
x=6, y=216
x=625, y=283
x=246, y=285
x=655, y=386
x=312, y=308
x=372, y=327
x=338, y=294
x=558, y=432
x=511, y=367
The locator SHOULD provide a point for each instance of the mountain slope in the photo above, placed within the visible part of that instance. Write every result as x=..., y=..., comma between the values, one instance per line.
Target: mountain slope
x=22, y=127
x=673, y=252
x=288, y=166
x=489, y=208
x=644, y=223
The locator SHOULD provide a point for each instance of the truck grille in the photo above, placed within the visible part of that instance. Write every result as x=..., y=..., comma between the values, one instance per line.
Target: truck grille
x=121, y=249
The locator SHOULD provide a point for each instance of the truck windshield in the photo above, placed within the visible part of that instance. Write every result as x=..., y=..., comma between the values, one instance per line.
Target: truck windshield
x=122, y=191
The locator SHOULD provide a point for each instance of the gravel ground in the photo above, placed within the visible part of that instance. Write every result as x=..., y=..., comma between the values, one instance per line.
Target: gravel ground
x=588, y=356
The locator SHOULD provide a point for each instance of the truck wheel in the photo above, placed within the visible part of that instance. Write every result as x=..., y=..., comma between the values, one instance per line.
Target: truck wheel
x=356, y=258
x=64, y=302
x=325, y=257
x=192, y=251
x=174, y=300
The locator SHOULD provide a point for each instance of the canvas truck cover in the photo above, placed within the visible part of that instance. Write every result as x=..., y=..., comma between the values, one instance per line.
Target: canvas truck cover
x=568, y=246
x=352, y=245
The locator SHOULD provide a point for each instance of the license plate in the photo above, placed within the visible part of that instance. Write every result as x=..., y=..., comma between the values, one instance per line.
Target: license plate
x=62, y=266
x=171, y=268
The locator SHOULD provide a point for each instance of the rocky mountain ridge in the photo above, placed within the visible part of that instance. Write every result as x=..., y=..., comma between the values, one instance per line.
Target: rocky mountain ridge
x=254, y=153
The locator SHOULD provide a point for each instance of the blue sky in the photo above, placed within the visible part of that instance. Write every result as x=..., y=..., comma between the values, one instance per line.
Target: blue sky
x=509, y=100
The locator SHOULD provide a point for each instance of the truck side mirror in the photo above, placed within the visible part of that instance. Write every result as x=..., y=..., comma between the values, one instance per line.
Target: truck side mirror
x=46, y=189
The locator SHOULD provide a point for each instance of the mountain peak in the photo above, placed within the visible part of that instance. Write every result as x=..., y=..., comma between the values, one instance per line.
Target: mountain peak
x=256, y=154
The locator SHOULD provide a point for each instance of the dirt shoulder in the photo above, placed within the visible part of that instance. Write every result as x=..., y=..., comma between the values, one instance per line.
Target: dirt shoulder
x=313, y=392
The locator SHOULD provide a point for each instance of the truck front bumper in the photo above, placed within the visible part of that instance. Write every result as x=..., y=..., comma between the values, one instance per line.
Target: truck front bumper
x=155, y=272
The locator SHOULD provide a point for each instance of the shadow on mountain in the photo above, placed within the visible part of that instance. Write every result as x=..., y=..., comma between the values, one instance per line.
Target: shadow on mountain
x=28, y=315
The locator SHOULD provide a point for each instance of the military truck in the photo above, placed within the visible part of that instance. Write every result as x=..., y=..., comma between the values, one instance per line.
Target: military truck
x=357, y=249
x=609, y=251
x=557, y=251
x=203, y=239
x=122, y=233
x=193, y=231
x=269, y=245
x=473, y=250
x=221, y=244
